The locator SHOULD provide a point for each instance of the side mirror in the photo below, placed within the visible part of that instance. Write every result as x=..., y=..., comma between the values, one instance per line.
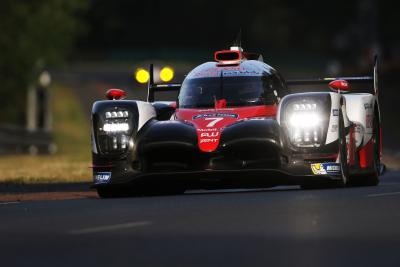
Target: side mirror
x=115, y=94
x=339, y=85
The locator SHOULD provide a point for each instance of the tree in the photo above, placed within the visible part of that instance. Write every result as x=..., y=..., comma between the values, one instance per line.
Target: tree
x=33, y=33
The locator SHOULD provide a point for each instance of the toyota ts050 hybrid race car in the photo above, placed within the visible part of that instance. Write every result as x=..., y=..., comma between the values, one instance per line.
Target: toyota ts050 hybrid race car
x=236, y=124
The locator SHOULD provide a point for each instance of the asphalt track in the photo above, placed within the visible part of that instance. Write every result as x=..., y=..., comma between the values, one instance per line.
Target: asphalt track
x=273, y=227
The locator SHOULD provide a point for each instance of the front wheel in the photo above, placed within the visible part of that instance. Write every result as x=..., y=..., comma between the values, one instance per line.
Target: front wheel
x=372, y=179
x=344, y=167
x=106, y=192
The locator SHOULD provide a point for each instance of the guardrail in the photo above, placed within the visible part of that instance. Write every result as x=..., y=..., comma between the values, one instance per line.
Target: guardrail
x=18, y=140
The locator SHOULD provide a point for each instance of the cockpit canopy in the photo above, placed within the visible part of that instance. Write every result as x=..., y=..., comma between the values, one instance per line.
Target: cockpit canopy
x=250, y=83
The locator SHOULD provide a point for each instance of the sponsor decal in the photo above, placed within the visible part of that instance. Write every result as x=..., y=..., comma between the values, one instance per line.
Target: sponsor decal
x=215, y=115
x=207, y=129
x=335, y=112
x=209, y=134
x=325, y=168
x=227, y=72
x=334, y=128
x=369, y=121
x=368, y=106
x=208, y=140
x=102, y=177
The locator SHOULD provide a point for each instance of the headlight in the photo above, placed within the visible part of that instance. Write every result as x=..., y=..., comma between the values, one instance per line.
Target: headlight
x=117, y=114
x=114, y=132
x=304, y=124
x=116, y=127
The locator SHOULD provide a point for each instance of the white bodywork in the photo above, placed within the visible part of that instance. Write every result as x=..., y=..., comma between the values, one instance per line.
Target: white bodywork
x=357, y=109
x=360, y=110
x=333, y=126
x=146, y=112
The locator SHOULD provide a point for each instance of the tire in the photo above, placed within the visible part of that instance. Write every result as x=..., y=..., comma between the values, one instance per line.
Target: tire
x=105, y=192
x=315, y=186
x=344, y=167
x=372, y=179
x=168, y=191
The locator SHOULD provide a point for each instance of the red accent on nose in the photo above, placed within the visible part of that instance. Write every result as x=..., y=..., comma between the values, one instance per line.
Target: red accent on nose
x=115, y=94
x=220, y=103
x=341, y=85
x=173, y=105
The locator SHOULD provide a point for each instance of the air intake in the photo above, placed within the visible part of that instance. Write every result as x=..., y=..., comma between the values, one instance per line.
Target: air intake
x=228, y=56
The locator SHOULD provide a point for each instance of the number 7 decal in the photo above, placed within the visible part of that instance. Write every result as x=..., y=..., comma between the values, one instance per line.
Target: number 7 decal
x=213, y=121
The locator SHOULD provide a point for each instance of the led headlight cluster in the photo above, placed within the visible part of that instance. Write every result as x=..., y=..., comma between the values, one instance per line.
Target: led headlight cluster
x=116, y=127
x=304, y=124
x=117, y=114
x=115, y=130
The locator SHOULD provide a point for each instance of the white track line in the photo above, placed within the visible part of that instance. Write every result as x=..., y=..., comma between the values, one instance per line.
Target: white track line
x=7, y=203
x=109, y=228
x=384, y=194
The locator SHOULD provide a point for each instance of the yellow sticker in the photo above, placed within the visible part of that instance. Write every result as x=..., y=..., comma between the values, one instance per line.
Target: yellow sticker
x=318, y=168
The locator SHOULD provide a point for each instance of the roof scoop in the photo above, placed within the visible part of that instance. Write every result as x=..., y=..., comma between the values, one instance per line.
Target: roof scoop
x=235, y=55
x=228, y=56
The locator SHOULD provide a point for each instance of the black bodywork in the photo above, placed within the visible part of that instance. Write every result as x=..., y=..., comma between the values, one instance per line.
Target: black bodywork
x=252, y=153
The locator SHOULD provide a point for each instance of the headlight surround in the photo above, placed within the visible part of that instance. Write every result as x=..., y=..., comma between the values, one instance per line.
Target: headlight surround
x=304, y=123
x=115, y=130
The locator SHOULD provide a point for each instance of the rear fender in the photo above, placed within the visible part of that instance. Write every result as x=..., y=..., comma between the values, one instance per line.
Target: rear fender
x=360, y=110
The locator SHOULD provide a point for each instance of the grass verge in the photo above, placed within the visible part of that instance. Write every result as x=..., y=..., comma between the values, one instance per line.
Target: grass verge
x=72, y=160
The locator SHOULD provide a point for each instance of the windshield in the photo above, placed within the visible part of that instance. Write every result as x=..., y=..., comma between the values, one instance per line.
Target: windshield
x=236, y=91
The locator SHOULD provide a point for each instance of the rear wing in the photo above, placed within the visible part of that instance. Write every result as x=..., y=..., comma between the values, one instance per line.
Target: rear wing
x=363, y=79
x=152, y=87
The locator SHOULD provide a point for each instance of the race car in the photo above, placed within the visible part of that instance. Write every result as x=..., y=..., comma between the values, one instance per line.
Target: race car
x=237, y=124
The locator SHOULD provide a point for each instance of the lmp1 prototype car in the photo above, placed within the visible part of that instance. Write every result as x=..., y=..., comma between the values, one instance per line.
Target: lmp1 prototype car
x=236, y=124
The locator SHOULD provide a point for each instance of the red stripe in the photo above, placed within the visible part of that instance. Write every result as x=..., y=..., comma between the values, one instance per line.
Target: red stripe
x=210, y=122
x=351, y=146
x=365, y=155
x=380, y=143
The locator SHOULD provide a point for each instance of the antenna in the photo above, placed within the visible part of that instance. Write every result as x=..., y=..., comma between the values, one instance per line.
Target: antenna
x=238, y=41
x=150, y=85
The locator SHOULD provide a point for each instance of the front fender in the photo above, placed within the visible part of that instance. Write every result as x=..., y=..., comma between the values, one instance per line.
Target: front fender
x=166, y=136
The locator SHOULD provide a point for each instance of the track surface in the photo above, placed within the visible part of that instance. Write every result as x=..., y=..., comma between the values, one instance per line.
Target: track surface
x=275, y=227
